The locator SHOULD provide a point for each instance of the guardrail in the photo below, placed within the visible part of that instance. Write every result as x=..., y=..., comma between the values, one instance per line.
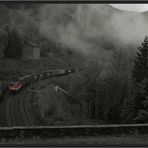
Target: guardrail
x=74, y=130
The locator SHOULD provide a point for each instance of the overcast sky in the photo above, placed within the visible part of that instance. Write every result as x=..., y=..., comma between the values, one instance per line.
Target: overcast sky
x=131, y=7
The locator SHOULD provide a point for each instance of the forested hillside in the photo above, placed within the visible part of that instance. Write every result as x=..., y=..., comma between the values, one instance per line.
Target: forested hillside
x=98, y=38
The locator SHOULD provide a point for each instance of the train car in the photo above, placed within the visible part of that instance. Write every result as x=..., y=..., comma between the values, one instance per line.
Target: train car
x=62, y=71
x=72, y=70
x=19, y=83
x=22, y=81
x=38, y=76
x=47, y=75
x=41, y=76
x=34, y=77
x=68, y=71
x=14, y=86
x=58, y=72
x=54, y=72
x=27, y=79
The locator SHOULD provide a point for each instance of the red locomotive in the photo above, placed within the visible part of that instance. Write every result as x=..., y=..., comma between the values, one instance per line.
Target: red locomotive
x=14, y=86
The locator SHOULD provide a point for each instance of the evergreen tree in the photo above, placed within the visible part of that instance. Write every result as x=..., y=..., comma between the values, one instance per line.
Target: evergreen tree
x=135, y=104
x=141, y=62
x=14, y=46
x=3, y=41
x=140, y=77
x=142, y=115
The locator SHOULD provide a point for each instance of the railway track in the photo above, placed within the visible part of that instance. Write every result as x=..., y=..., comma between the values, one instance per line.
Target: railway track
x=15, y=110
x=17, y=115
x=8, y=112
x=24, y=107
x=2, y=113
x=20, y=115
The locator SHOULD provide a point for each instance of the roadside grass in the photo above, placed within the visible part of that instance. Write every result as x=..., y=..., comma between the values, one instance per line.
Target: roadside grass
x=106, y=140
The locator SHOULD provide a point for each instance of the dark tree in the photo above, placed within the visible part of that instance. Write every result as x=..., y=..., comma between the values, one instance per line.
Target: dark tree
x=135, y=104
x=14, y=46
x=140, y=70
x=142, y=115
x=140, y=78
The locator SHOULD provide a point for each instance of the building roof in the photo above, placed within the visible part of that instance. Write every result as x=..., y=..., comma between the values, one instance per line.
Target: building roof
x=33, y=44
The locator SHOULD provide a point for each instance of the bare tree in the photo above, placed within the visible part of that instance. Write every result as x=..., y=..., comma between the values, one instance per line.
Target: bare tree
x=116, y=64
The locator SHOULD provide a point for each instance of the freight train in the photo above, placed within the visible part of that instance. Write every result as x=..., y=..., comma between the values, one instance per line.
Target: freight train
x=21, y=82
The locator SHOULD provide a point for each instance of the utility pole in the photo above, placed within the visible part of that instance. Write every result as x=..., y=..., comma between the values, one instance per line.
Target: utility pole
x=91, y=106
x=94, y=103
x=39, y=75
x=32, y=88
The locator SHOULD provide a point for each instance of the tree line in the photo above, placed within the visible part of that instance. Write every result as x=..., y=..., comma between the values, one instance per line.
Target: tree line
x=121, y=95
x=117, y=94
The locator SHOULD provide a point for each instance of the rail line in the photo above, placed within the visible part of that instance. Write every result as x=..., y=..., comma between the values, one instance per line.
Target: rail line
x=24, y=105
x=12, y=109
x=15, y=113
x=2, y=108
x=14, y=106
x=18, y=114
x=15, y=110
x=8, y=112
x=20, y=105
